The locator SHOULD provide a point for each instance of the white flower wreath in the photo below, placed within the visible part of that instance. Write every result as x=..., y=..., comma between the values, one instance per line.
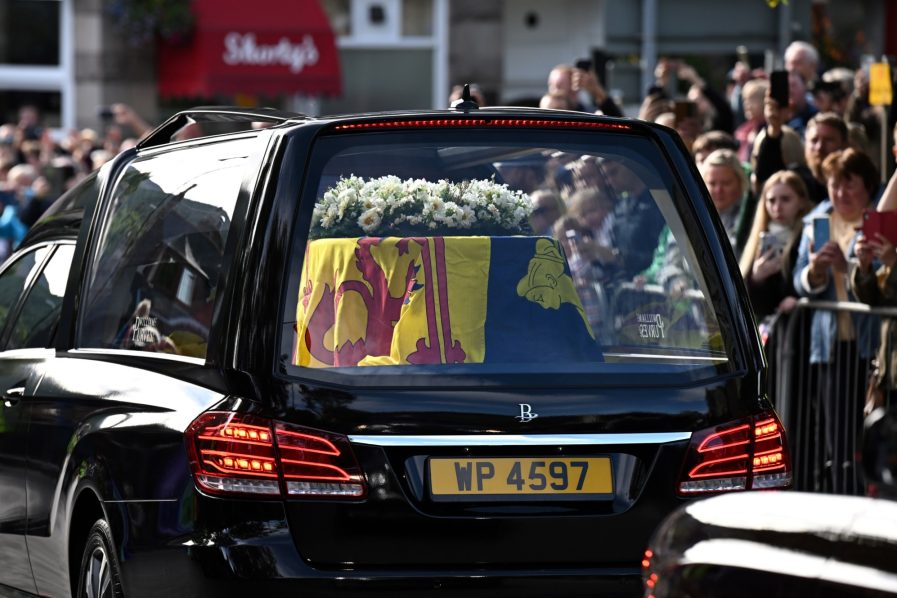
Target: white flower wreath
x=388, y=205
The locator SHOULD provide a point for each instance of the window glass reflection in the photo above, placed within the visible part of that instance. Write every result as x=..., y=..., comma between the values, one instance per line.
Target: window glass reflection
x=38, y=319
x=154, y=278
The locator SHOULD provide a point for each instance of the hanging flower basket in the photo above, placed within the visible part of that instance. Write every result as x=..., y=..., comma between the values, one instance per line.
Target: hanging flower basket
x=142, y=20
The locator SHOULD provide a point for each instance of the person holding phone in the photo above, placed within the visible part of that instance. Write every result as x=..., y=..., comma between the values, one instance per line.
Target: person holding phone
x=569, y=81
x=841, y=342
x=825, y=133
x=777, y=146
x=771, y=249
x=874, y=281
x=712, y=110
x=584, y=78
x=560, y=83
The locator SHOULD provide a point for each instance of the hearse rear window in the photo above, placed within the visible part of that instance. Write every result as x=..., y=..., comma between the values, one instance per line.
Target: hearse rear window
x=456, y=251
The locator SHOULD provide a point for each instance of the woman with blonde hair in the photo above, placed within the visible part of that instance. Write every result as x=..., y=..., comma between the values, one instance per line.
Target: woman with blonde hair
x=771, y=248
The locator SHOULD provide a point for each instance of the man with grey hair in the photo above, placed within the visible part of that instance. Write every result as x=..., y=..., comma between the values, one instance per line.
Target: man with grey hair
x=802, y=58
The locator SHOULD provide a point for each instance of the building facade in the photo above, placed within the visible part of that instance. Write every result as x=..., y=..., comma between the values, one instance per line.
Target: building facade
x=69, y=58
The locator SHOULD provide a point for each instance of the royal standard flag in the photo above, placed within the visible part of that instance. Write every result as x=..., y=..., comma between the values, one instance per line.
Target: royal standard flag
x=431, y=300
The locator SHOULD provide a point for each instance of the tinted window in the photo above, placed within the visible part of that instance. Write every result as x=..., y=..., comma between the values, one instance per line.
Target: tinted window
x=15, y=277
x=36, y=322
x=434, y=249
x=160, y=252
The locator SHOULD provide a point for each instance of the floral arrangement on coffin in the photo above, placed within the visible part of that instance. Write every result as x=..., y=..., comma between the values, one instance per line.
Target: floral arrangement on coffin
x=390, y=206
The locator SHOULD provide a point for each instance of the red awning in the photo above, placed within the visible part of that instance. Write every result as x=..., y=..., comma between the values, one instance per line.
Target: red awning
x=266, y=47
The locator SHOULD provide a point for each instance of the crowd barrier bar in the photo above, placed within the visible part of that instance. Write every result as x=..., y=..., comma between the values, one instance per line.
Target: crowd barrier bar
x=821, y=406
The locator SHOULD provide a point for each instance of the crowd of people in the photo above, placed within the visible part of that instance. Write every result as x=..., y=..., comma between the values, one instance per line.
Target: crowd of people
x=768, y=167
x=773, y=169
x=38, y=163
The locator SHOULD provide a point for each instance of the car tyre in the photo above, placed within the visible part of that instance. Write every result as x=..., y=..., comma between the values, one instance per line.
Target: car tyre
x=100, y=576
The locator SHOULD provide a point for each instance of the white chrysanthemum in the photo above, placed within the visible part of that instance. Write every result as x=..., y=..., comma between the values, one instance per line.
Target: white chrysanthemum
x=347, y=198
x=415, y=190
x=440, y=188
x=390, y=187
x=373, y=201
x=467, y=217
x=369, y=220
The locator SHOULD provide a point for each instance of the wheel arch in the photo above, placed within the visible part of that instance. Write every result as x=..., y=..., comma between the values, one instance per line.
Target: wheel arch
x=86, y=510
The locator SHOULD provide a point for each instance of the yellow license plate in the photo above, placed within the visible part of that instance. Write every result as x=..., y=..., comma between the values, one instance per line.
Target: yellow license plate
x=521, y=478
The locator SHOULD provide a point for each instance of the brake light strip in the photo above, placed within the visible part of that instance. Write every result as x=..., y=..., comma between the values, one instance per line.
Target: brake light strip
x=481, y=122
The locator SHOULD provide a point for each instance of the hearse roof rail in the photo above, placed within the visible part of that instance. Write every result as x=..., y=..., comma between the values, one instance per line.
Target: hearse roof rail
x=215, y=114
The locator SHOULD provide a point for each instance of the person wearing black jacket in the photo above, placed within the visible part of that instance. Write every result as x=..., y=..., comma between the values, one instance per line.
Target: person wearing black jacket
x=777, y=148
x=588, y=81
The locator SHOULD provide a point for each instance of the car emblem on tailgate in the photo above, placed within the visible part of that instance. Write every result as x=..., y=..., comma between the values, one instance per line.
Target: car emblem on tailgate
x=526, y=413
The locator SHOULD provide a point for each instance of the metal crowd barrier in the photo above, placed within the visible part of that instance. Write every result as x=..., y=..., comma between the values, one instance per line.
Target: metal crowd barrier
x=821, y=406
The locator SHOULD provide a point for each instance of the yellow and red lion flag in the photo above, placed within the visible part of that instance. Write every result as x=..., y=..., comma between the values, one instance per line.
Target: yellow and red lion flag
x=437, y=300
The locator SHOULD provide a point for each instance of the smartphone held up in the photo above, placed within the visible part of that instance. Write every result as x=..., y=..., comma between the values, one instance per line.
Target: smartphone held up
x=778, y=87
x=771, y=243
x=821, y=231
x=880, y=223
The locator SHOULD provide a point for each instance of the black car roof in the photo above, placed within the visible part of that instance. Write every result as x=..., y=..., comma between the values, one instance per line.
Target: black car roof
x=162, y=135
x=63, y=221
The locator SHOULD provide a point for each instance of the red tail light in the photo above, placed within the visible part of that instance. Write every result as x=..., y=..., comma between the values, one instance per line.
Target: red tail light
x=649, y=576
x=749, y=454
x=232, y=453
x=318, y=464
x=438, y=123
